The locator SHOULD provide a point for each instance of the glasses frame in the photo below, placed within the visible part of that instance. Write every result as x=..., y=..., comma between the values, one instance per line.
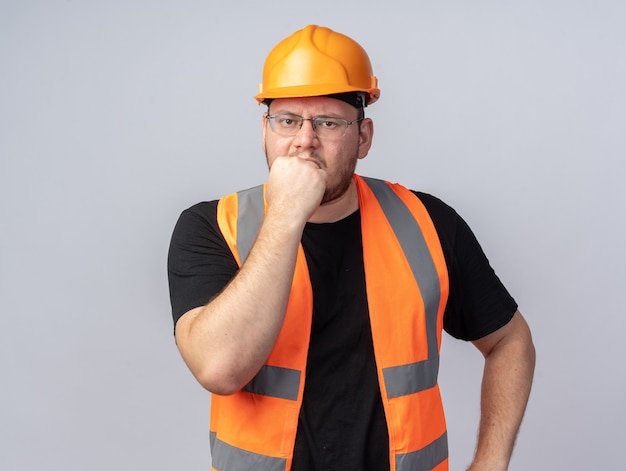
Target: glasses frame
x=315, y=122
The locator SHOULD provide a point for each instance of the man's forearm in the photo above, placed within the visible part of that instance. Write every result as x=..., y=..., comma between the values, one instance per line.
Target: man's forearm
x=225, y=342
x=507, y=379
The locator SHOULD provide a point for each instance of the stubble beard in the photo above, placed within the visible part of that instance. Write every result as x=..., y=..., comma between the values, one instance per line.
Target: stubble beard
x=337, y=190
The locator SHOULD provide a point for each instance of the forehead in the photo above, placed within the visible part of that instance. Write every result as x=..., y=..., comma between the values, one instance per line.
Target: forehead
x=313, y=106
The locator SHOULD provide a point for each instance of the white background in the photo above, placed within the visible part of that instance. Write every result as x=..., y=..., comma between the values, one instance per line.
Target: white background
x=117, y=115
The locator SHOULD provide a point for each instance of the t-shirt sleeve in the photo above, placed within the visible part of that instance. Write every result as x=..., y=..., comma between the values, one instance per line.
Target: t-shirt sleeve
x=478, y=303
x=199, y=263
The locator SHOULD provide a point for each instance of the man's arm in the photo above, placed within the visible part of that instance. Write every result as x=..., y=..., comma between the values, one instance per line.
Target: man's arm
x=509, y=366
x=225, y=342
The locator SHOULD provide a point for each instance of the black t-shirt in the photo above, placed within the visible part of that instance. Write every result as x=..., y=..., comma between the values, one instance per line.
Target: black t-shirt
x=342, y=423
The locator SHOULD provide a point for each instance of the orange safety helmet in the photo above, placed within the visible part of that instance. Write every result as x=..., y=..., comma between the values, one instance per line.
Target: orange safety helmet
x=317, y=61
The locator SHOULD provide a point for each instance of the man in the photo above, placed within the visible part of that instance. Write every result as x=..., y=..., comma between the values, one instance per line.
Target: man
x=312, y=307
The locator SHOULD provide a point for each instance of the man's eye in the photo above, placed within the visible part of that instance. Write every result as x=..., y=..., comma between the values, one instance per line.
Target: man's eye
x=328, y=123
x=287, y=121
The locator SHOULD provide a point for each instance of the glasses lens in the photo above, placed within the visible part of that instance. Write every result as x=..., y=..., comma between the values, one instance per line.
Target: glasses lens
x=330, y=127
x=285, y=124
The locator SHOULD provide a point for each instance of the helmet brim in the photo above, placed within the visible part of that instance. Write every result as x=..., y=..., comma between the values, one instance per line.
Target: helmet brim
x=300, y=91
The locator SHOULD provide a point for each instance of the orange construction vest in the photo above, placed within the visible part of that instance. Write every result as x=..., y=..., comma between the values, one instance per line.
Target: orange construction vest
x=407, y=290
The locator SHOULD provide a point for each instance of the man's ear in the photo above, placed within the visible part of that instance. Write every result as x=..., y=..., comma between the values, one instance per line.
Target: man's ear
x=366, y=134
x=263, y=130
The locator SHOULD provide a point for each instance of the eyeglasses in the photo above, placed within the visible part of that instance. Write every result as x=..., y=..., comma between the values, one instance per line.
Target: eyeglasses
x=323, y=126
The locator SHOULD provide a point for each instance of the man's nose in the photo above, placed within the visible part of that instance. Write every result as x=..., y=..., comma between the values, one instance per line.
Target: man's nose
x=306, y=134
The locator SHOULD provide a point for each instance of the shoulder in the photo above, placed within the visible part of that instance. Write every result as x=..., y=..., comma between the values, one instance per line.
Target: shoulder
x=434, y=204
x=445, y=219
x=203, y=210
x=456, y=237
x=195, y=222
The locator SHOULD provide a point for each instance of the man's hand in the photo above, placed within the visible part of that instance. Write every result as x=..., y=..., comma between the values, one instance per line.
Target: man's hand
x=295, y=186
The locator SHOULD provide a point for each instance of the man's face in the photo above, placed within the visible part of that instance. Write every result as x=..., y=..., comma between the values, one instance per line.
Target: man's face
x=337, y=156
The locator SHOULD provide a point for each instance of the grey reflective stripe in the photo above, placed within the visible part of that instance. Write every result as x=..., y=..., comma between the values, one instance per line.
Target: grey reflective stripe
x=250, y=215
x=212, y=436
x=426, y=458
x=408, y=379
x=276, y=382
x=226, y=457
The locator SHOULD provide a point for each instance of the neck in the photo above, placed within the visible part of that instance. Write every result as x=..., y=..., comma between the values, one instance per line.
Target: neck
x=338, y=208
